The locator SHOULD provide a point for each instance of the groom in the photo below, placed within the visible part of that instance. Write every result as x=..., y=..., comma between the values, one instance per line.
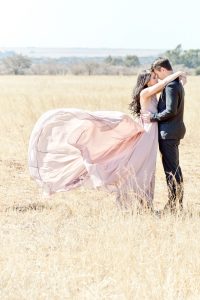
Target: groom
x=171, y=129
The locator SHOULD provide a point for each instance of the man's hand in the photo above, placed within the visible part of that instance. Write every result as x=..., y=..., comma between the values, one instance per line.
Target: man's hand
x=146, y=117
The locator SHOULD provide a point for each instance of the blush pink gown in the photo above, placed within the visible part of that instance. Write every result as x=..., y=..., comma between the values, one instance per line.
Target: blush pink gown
x=71, y=147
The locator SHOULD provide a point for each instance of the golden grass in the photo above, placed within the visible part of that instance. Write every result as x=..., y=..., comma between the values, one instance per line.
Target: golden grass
x=77, y=245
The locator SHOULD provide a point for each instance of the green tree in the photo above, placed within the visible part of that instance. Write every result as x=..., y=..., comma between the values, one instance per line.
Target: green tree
x=132, y=61
x=175, y=55
x=191, y=58
x=117, y=61
x=114, y=60
x=108, y=60
x=16, y=64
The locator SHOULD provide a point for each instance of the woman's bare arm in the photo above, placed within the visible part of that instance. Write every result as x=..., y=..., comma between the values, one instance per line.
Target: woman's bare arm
x=154, y=89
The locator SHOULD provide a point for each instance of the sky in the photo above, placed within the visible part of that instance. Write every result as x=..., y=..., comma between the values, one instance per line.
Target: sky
x=141, y=24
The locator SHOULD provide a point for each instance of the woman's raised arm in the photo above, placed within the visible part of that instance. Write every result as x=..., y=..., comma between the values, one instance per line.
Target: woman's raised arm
x=156, y=88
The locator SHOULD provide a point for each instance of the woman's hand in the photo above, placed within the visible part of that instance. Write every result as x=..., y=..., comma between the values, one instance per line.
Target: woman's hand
x=183, y=78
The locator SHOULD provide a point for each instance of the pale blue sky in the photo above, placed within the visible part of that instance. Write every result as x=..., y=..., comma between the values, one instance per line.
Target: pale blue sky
x=104, y=23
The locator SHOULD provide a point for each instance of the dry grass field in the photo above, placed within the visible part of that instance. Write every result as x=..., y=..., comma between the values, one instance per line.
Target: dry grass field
x=78, y=245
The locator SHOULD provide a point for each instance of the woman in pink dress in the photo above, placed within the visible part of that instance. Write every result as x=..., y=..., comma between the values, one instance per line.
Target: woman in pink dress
x=69, y=148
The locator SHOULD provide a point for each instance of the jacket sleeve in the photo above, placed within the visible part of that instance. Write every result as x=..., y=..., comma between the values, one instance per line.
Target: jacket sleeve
x=172, y=96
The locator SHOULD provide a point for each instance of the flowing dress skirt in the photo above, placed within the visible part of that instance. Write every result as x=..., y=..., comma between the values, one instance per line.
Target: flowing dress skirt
x=71, y=147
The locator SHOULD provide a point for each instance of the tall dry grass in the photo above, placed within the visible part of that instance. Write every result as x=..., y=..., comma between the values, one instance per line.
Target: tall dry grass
x=77, y=245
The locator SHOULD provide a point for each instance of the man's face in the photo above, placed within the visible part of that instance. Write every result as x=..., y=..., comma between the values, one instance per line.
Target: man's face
x=161, y=74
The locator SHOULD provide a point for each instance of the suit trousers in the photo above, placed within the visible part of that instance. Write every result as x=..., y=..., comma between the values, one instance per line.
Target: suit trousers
x=170, y=159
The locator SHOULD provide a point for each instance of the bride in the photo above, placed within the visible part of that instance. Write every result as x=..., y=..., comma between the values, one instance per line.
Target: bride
x=73, y=147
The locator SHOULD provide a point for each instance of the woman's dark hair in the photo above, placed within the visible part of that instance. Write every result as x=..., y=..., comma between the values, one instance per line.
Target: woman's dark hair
x=142, y=80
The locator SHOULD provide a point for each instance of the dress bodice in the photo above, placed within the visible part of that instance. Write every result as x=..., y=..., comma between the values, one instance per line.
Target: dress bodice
x=151, y=105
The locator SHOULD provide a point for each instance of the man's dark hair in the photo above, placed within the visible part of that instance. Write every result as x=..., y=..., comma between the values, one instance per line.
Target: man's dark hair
x=161, y=62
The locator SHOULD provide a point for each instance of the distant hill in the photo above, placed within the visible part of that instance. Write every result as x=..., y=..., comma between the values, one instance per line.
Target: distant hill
x=36, y=52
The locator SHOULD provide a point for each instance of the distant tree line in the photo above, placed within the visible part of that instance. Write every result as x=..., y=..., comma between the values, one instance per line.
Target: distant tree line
x=18, y=64
x=128, y=61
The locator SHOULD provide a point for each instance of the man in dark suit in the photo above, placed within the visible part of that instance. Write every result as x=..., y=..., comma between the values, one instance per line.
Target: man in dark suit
x=171, y=129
